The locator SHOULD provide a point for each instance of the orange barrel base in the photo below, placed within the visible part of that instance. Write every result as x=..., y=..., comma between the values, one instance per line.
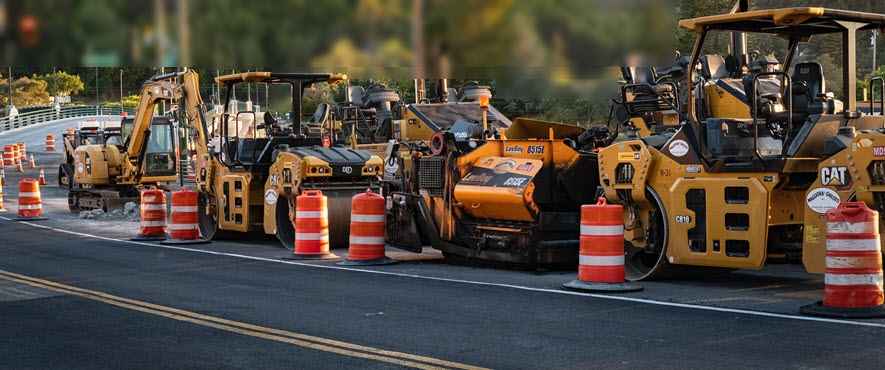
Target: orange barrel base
x=601, y=257
x=853, y=280
x=311, y=227
x=184, y=221
x=367, y=217
x=153, y=216
x=30, y=203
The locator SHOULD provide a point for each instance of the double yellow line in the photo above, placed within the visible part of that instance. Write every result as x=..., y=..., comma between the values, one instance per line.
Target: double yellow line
x=301, y=340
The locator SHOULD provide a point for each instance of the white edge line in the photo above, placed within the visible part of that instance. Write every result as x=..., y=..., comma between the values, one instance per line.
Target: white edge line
x=500, y=285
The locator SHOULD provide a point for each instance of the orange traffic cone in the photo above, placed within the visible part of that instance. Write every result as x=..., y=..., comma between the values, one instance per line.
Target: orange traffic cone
x=31, y=163
x=2, y=177
x=19, y=165
x=42, y=180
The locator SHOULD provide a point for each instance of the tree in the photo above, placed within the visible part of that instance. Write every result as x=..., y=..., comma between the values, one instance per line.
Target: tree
x=26, y=92
x=67, y=84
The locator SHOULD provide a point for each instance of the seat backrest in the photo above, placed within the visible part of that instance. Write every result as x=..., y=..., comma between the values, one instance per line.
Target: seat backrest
x=812, y=74
x=713, y=67
x=321, y=114
x=269, y=119
x=639, y=75
x=355, y=95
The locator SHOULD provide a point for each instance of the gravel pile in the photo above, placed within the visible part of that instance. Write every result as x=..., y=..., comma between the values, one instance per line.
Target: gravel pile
x=130, y=212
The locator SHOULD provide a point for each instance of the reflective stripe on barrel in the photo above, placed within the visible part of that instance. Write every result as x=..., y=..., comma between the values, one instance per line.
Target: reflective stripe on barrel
x=366, y=227
x=30, y=204
x=601, y=257
x=50, y=143
x=16, y=154
x=153, y=212
x=21, y=150
x=854, y=257
x=311, y=223
x=8, y=156
x=183, y=223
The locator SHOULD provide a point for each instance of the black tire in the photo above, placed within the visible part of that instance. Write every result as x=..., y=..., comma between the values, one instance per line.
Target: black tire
x=209, y=228
x=285, y=230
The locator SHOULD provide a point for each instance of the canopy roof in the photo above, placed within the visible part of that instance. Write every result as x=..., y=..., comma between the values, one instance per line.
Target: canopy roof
x=800, y=22
x=273, y=78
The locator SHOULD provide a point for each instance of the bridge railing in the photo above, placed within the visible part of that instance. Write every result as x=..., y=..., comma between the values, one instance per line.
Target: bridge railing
x=52, y=114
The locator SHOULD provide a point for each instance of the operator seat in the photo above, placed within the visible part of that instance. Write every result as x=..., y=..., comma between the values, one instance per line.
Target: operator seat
x=713, y=67
x=318, y=120
x=809, y=90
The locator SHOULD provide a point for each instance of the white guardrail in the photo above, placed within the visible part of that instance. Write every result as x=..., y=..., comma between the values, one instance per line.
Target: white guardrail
x=52, y=114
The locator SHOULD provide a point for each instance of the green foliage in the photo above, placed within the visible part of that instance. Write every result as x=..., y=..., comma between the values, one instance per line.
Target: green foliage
x=26, y=92
x=66, y=84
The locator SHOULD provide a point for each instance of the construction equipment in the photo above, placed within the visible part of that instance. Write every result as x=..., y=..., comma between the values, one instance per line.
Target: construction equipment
x=87, y=133
x=253, y=169
x=737, y=190
x=109, y=171
x=511, y=196
x=649, y=100
x=376, y=120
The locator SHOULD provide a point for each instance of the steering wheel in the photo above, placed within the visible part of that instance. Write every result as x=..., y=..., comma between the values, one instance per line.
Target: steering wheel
x=376, y=87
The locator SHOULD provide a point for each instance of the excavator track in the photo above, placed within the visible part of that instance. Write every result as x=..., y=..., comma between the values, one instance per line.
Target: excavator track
x=107, y=200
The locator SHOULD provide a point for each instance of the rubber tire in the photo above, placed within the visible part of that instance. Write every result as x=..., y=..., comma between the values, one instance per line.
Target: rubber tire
x=285, y=230
x=209, y=224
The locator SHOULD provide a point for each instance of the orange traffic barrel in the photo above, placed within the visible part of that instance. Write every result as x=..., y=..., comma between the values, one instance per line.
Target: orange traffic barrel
x=153, y=215
x=853, y=274
x=184, y=225
x=50, y=143
x=311, y=227
x=367, y=231
x=601, y=254
x=70, y=131
x=21, y=150
x=8, y=155
x=30, y=204
x=16, y=154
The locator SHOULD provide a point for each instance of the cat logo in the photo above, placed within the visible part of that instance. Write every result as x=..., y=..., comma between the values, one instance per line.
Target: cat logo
x=274, y=180
x=834, y=176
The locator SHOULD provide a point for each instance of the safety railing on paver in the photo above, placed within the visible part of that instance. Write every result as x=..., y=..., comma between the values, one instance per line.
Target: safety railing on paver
x=52, y=114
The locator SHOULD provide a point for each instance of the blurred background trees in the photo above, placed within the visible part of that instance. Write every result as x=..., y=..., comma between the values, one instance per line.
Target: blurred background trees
x=549, y=59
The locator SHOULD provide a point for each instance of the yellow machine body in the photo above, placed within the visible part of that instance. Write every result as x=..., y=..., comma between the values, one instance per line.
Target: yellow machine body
x=515, y=199
x=499, y=188
x=855, y=173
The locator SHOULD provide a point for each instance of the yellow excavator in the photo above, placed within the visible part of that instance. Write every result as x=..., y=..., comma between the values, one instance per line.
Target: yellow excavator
x=250, y=174
x=738, y=192
x=110, y=173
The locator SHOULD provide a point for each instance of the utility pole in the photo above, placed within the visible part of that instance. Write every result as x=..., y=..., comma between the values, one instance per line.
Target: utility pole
x=121, y=87
x=96, y=91
x=873, y=43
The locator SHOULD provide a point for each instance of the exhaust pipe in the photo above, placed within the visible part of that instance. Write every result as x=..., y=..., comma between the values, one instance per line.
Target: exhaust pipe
x=738, y=40
x=419, y=90
x=442, y=90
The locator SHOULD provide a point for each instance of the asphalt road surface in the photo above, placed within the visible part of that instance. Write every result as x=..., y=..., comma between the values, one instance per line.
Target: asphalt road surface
x=78, y=302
